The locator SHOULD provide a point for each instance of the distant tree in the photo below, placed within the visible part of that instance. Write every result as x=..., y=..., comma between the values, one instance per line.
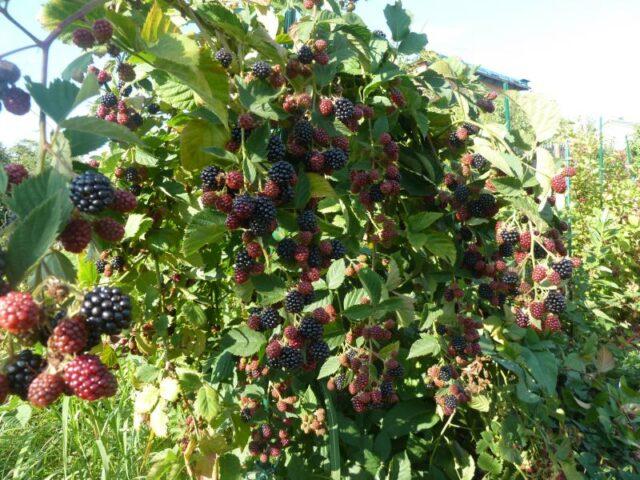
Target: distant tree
x=24, y=152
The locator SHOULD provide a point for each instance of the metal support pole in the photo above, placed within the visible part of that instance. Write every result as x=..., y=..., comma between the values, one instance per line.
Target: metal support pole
x=567, y=158
x=601, y=162
x=507, y=107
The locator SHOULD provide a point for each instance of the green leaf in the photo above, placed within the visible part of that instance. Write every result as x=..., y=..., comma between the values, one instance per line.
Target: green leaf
x=398, y=20
x=372, y=283
x=245, y=341
x=155, y=24
x=427, y=345
x=441, y=245
x=56, y=100
x=137, y=225
x=77, y=66
x=329, y=367
x=54, y=264
x=33, y=191
x=89, y=88
x=205, y=227
x=489, y=464
x=88, y=274
x=35, y=234
x=206, y=405
x=336, y=274
x=408, y=416
x=359, y=312
x=480, y=403
x=102, y=128
x=413, y=43
x=320, y=186
x=302, y=191
x=400, y=468
x=542, y=114
x=334, y=435
x=195, y=140
x=423, y=220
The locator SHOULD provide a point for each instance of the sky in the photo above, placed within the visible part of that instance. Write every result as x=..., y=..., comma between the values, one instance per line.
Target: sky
x=582, y=53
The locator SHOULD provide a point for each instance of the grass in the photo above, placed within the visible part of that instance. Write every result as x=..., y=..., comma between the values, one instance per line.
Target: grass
x=75, y=440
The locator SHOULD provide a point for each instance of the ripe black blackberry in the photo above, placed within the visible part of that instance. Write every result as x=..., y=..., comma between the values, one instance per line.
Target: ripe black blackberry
x=441, y=329
x=510, y=236
x=455, y=141
x=25, y=367
x=459, y=343
x=245, y=414
x=472, y=129
x=539, y=252
x=270, y=318
x=92, y=192
x=462, y=193
x=136, y=189
x=305, y=55
x=466, y=233
x=118, y=262
x=101, y=265
x=335, y=158
x=506, y=250
x=294, y=302
x=109, y=100
x=125, y=91
x=310, y=328
x=450, y=401
x=211, y=177
x=555, y=302
x=486, y=201
x=243, y=261
x=263, y=217
x=470, y=258
x=478, y=162
x=107, y=310
x=286, y=249
x=319, y=351
x=396, y=372
x=379, y=34
x=153, y=108
x=338, y=250
x=303, y=132
x=445, y=374
x=344, y=109
x=375, y=193
x=290, y=358
x=475, y=209
x=262, y=70
x=307, y=221
x=244, y=206
x=564, y=268
x=485, y=291
x=131, y=175
x=341, y=381
x=315, y=257
x=511, y=278
x=224, y=57
x=276, y=150
x=282, y=172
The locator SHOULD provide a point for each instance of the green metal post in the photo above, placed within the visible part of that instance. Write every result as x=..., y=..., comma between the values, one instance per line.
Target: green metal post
x=567, y=158
x=601, y=161
x=507, y=107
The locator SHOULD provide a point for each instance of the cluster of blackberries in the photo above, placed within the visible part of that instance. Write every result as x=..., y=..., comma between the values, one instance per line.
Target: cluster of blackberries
x=101, y=33
x=463, y=339
x=440, y=375
x=15, y=100
x=301, y=346
x=247, y=264
x=309, y=254
x=225, y=57
x=107, y=268
x=455, y=396
x=458, y=139
x=134, y=176
x=308, y=54
x=367, y=393
x=466, y=202
x=115, y=110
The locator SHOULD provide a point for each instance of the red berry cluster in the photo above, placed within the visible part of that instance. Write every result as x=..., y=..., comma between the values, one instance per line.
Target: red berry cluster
x=86, y=38
x=314, y=422
x=559, y=183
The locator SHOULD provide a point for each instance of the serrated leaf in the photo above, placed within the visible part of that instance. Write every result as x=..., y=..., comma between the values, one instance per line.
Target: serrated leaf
x=245, y=341
x=423, y=220
x=542, y=114
x=77, y=66
x=98, y=127
x=413, y=43
x=146, y=399
x=336, y=274
x=441, y=245
x=196, y=139
x=427, y=345
x=155, y=24
x=489, y=464
x=56, y=100
x=398, y=21
x=206, y=405
x=205, y=227
x=604, y=361
x=169, y=389
x=329, y=367
x=137, y=225
x=480, y=403
x=33, y=191
x=320, y=186
x=400, y=468
x=372, y=283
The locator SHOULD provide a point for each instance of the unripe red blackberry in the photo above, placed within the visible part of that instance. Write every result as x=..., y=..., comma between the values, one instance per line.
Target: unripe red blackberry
x=16, y=173
x=89, y=379
x=16, y=101
x=537, y=309
x=124, y=201
x=552, y=323
x=274, y=349
x=76, y=236
x=539, y=273
x=486, y=105
x=559, y=184
x=19, y=313
x=320, y=45
x=126, y=73
x=69, y=336
x=45, y=389
x=234, y=180
x=326, y=107
x=397, y=97
x=83, y=38
x=109, y=229
x=102, y=30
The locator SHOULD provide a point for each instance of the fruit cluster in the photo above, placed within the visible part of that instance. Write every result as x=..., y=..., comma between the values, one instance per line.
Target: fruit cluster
x=15, y=100
x=314, y=422
x=68, y=367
